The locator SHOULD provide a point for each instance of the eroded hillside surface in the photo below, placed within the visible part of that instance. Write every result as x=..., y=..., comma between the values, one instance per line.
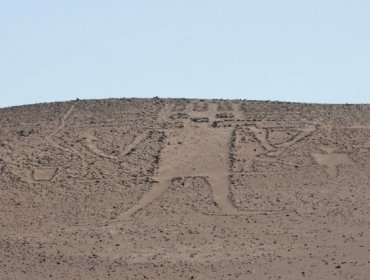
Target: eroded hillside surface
x=184, y=189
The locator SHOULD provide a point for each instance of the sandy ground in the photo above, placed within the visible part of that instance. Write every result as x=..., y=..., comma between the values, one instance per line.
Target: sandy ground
x=184, y=189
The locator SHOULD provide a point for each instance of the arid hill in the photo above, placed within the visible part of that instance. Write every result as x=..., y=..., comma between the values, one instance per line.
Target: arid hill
x=184, y=189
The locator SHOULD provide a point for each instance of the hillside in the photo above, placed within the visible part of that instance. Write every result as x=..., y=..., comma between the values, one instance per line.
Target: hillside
x=184, y=189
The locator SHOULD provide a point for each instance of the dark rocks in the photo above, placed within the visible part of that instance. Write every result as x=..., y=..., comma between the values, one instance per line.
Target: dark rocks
x=200, y=120
x=224, y=115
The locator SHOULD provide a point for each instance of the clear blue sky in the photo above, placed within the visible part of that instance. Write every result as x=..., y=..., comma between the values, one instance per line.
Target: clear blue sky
x=289, y=50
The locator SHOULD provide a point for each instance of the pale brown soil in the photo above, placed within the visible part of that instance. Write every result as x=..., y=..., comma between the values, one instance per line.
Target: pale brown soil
x=184, y=189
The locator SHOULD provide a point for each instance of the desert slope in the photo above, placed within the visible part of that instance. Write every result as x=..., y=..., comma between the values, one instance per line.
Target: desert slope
x=184, y=189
